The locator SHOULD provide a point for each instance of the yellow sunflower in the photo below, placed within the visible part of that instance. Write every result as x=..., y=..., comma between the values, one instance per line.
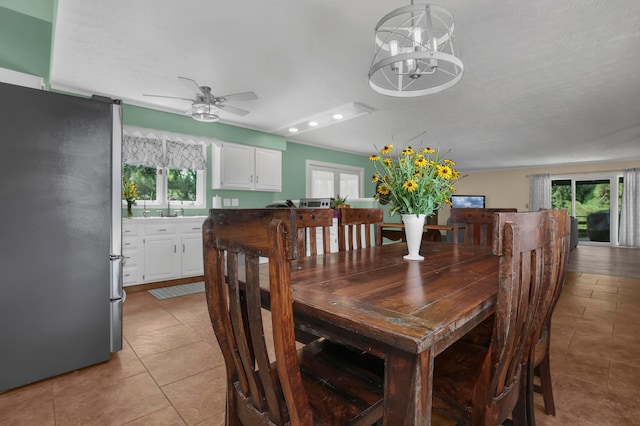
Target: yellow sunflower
x=376, y=177
x=428, y=150
x=410, y=185
x=374, y=157
x=383, y=189
x=444, y=171
x=387, y=149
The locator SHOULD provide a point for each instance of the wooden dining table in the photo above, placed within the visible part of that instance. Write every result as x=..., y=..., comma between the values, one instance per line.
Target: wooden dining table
x=405, y=312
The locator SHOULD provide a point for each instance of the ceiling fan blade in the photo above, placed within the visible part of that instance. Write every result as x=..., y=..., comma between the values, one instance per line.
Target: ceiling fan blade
x=233, y=109
x=244, y=96
x=168, y=97
x=192, y=85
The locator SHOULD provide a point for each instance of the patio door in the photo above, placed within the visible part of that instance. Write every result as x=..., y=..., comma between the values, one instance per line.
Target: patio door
x=595, y=200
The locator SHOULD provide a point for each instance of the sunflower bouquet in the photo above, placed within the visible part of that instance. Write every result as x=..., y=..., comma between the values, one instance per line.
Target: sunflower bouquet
x=416, y=182
x=130, y=191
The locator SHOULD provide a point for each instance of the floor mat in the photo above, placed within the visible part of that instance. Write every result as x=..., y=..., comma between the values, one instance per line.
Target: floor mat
x=177, y=290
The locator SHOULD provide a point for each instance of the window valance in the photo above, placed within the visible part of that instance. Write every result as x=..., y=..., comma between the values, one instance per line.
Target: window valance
x=139, y=151
x=153, y=152
x=185, y=156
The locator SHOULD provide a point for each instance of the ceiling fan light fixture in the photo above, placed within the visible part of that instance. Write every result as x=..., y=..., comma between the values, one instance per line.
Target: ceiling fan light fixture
x=416, y=52
x=205, y=112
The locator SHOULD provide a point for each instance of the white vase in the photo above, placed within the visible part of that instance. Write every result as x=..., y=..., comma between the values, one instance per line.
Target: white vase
x=413, y=228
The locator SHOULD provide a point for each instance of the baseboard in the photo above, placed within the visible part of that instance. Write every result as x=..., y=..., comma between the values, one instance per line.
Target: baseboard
x=161, y=284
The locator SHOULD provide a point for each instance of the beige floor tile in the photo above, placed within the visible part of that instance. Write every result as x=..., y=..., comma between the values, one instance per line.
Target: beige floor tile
x=122, y=365
x=148, y=320
x=207, y=334
x=626, y=328
x=167, y=416
x=587, y=402
x=581, y=291
x=625, y=380
x=631, y=291
x=180, y=363
x=611, y=297
x=592, y=369
x=138, y=301
x=217, y=420
x=560, y=337
x=630, y=308
x=588, y=302
x=601, y=328
x=162, y=340
x=199, y=397
x=28, y=405
x=620, y=348
x=115, y=404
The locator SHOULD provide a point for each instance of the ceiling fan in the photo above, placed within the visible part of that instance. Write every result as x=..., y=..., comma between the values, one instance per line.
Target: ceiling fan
x=205, y=106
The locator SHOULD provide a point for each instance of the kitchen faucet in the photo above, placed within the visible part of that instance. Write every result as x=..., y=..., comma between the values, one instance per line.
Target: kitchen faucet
x=174, y=197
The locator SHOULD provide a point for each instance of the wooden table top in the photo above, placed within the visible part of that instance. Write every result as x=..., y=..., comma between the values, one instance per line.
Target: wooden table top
x=383, y=299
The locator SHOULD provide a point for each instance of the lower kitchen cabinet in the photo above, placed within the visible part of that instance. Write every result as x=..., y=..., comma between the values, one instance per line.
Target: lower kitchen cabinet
x=161, y=249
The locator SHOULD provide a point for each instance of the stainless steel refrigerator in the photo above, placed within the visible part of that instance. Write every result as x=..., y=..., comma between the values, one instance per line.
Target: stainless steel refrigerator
x=60, y=228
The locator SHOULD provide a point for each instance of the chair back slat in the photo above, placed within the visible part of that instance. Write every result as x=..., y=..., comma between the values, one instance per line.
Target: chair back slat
x=351, y=222
x=308, y=222
x=478, y=224
x=257, y=392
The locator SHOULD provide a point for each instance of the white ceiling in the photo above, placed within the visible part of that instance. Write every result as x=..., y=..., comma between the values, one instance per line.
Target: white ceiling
x=546, y=82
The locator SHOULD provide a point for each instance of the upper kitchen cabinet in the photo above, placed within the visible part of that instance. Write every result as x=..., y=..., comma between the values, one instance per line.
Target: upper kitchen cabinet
x=246, y=167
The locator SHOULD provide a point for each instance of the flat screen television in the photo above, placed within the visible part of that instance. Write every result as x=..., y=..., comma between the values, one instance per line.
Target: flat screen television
x=467, y=201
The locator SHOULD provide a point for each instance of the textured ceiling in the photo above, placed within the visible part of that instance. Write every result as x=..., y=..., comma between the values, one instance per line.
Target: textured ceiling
x=545, y=82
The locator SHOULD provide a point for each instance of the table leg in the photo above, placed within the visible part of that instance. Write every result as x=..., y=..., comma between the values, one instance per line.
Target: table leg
x=407, y=388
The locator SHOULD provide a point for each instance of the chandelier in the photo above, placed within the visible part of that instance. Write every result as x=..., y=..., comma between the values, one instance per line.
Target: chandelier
x=416, y=52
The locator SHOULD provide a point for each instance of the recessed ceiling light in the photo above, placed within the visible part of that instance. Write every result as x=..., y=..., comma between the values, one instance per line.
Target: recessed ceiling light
x=335, y=115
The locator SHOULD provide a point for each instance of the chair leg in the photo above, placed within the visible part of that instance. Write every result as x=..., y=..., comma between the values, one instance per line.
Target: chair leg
x=523, y=412
x=544, y=370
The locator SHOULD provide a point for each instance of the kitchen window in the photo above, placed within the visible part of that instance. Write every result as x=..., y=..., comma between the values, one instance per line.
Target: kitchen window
x=165, y=170
x=326, y=180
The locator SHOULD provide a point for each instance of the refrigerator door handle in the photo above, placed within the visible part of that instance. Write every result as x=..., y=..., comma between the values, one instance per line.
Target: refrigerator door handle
x=116, y=277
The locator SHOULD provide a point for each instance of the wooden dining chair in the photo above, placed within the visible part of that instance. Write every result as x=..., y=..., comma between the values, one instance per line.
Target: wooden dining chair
x=310, y=222
x=352, y=221
x=477, y=224
x=484, y=385
x=540, y=361
x=321, y=383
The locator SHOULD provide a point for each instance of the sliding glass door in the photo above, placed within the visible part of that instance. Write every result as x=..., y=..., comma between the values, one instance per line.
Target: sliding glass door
x=594, y=200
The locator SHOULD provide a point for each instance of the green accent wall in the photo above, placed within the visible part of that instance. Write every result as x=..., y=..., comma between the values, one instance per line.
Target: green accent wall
x=25, y=43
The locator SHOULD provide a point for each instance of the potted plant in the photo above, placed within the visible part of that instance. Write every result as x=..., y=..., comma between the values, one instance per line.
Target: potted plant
x=339, y=202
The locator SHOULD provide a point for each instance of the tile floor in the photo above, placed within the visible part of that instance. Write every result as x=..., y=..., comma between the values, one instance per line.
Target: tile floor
x=171, y=371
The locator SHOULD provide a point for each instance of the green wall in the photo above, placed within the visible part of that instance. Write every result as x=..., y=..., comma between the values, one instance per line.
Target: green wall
x=25, y=43
x=26, y=29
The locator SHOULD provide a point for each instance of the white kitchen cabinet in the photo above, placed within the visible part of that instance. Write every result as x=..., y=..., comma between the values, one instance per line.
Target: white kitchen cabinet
x=268, y=170
x=246, y=167
x=191, y=256
x=161, y=249
x=161, y=258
